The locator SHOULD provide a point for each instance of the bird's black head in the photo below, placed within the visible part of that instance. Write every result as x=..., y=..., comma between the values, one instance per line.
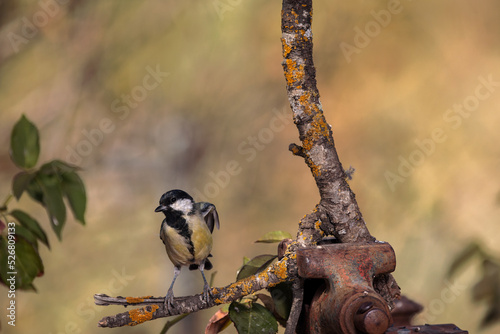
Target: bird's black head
x=177, y=200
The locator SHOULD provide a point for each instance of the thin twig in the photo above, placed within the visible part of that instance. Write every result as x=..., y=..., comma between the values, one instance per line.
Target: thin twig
x=298, y=299
x=3, y=207
x=169, y=324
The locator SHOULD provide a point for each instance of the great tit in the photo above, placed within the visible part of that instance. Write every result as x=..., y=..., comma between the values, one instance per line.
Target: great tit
x=186, y=232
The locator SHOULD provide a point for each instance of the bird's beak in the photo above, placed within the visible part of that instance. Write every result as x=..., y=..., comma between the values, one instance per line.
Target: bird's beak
x=161, y=208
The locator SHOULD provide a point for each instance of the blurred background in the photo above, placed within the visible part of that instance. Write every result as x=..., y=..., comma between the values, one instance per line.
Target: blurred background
x=150, y=96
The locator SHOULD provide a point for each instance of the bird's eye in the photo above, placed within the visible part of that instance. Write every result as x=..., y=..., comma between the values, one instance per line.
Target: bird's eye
x=172, y=201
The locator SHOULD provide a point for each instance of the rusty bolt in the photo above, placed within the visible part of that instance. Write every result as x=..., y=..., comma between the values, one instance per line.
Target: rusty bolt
x=373, y=321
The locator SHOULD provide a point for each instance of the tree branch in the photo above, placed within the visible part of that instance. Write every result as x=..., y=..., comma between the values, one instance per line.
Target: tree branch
x=296, y=309
x=278, y=272
x=337, y=213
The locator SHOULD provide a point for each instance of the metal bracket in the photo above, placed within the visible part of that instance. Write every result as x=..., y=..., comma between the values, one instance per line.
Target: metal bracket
x=347, y=302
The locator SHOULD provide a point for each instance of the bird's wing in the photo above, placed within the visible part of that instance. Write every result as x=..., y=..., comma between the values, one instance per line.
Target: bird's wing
x=209, y=213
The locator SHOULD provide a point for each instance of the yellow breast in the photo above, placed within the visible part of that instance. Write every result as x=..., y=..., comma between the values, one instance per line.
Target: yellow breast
x=178, y=248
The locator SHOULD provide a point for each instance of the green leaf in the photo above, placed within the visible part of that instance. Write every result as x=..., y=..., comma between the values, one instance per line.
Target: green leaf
x=252, y=318
x=71, y=185
x=20, y=183
x=62, y=167
x=255, y=265
x=28, y=235
x=464, y=256
x=492, y=315
x=24, y=261
x=53, y=200
x=35, y=191
x=74, y=190
x=274, y=236
x=24, y=144
x=31, y=224
x=282, y=296
x=487, y=287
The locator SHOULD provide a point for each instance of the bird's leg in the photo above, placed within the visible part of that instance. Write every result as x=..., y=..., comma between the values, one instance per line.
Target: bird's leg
x=206, y=287
x=169, y=298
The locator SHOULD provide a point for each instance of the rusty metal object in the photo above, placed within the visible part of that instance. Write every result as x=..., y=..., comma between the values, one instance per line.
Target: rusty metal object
x=404, y=310
x=427, y=329
x=346, y=303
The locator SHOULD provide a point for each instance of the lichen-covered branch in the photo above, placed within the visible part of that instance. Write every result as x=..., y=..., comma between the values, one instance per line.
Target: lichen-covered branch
x=153, y=307
x=337, y=213
x=343, y=218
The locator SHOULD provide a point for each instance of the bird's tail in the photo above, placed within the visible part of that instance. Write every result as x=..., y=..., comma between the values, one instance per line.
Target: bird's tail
x=208, y=265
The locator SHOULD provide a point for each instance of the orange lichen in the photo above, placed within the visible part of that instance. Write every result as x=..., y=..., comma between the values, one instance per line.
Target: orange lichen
x=293, y=73
x=286, y=48
x=315, y=169
x=319, y=128
x=274, y=275
x=280, y=269
x=140, y=315
x=317, y=226
x=302, y=34
x=245, y=286
x=307, y=105
x=308, y=143
x=295, y=150
x=136, y=300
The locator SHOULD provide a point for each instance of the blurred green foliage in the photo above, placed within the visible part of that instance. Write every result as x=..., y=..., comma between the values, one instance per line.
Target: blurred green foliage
x=48, y=185
x=487, y=289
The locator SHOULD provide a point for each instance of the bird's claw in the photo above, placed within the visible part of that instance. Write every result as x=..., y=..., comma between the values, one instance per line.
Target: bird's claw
x=169, y=301
x=207, y=294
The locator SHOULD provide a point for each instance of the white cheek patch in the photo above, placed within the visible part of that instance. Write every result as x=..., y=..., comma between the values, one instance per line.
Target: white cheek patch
x=183, y=205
